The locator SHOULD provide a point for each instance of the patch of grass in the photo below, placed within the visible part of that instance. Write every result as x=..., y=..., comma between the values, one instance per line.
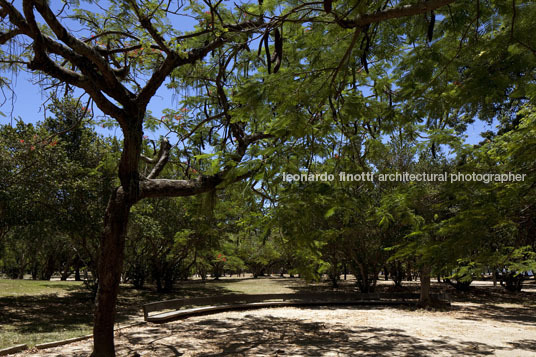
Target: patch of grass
x=10, y=287
x=11, y=336
x=35, y=312
x=260, y=286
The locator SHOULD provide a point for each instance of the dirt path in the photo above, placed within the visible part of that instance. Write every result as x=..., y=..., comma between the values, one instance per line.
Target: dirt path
x=466, y=330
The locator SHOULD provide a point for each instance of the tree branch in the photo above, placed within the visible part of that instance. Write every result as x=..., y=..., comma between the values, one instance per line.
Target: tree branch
x=177, y=188
x=4, y=37
x=161, y=161
x=148, y=159
x=145, y=21
x=116, y=89
x=151, y=187
x=392, y=13
x=89, y=80
x=15, y=17
x=171, y=62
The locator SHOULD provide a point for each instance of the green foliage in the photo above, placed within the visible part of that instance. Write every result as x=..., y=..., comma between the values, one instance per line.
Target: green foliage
x=53, y=191
x=389, y=97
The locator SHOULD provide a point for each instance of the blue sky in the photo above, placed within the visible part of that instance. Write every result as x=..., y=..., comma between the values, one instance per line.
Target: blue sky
x=28, y=104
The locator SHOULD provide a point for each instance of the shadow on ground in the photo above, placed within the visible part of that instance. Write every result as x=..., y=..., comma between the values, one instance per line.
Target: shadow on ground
x=268, y=335
x=48, y=313
x=29, y=314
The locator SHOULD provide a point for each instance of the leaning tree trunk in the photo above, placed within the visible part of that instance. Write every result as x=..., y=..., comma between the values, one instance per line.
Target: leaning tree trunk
x=109, y=273
x=112, y=244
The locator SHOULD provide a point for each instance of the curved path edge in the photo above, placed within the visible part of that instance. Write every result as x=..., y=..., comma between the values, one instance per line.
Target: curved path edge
x=207, y=310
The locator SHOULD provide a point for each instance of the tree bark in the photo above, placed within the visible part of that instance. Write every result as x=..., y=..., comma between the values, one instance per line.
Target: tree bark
x=425, y=286
x=109, y=273
x=112, y=244
x=48, y=269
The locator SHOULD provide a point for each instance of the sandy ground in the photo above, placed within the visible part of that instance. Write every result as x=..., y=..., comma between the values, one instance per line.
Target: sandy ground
x=464, y=330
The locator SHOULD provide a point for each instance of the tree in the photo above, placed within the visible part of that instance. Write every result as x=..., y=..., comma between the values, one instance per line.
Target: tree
x=53, y=192
x=121, y=64
x=493, y=219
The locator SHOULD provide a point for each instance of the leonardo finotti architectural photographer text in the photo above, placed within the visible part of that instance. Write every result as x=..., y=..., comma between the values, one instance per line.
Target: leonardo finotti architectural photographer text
x=406, y=177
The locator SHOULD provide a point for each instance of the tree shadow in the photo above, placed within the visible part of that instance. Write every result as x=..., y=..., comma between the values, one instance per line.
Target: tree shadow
x=484, y=302
x=529, y=345
x=130, y=300
x=493, y=295
x=268, y=335
x=518, y=315
x=30, y=314
x=496, y=303
x=74, y=307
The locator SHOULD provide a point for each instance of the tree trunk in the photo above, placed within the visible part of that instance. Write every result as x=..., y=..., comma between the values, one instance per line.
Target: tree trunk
x=169, y=278
x=22, y=267
x=112, y=244
x=109, y=273
x=66, y=273
x=425, y=286
x=159, y=287
x=77, y=271
x=34, y=271
x=48, y=269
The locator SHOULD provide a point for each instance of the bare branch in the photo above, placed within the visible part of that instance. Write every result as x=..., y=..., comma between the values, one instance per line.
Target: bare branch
x=206, y=120
x=148, y=159
x=163, y=157
x=4, y=37
x=177, y=188
x=15, y=17
x=90, y=81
